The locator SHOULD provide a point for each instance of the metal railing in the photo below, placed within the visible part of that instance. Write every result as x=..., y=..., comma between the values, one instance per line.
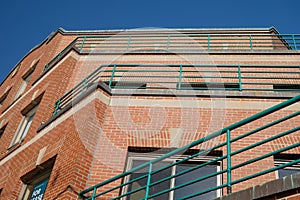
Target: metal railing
x=115, y=188
x=181, y=43
x=189, y=77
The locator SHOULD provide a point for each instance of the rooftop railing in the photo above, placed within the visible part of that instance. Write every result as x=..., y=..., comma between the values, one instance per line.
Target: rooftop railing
x=181, y=43
x=189, y=43
x=264, y=78
x=118, y=186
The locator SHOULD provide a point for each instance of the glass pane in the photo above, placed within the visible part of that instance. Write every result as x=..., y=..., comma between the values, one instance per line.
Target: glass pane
x=287, y=172
x=155, y=177
x=27, y=126
x=198, y=186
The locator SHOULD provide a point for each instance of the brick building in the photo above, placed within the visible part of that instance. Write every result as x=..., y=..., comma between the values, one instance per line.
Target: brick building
x=153, y=114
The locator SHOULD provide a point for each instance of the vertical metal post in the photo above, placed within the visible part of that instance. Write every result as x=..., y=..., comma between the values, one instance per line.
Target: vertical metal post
x=56, y=107
x=46, y=67
x=179, y=78
x=94, y=193
x=148, y=181
x=251, y=45
x=295, y=44
x=228, y=145
x=208, y=42
x=112, y=76
x=240, y=78
x=128, y=43
x=84, y=86
x=168, y=43
x=82, y=43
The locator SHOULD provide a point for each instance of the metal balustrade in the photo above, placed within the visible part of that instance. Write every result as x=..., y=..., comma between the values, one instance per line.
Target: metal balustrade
x=117, y=187
x=187, y=43
x=268, y=78
x=181, y=43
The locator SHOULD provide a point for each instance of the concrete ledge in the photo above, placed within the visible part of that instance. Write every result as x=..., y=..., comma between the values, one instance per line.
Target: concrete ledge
x=280, y=187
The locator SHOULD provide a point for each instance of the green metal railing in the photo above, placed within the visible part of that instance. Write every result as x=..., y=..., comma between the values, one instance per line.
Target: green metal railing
x=117, y=187
x=268, y=78
x=177, y=43
x=181, y=43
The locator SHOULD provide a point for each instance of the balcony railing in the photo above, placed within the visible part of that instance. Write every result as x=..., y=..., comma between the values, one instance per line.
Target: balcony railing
x=264, y=78
x=181, y=43
x=187, y=43
x=246, y=131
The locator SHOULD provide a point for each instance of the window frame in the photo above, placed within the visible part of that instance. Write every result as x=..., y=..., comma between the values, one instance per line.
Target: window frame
x=35, y=177
x=149, y=156
x=24, y=126
x=25, y=80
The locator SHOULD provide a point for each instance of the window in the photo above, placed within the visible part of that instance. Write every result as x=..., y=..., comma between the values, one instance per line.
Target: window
x=285, y=158
x=36, y=181
x=134, y=161
x=2, y=130
x=3, y=97
x=26, y=78
x=24, y=126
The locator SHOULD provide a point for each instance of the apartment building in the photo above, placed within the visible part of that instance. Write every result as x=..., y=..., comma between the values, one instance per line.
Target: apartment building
x=153, y=114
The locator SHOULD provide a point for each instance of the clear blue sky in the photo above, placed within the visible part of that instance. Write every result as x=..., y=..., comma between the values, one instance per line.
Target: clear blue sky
x=25, y=24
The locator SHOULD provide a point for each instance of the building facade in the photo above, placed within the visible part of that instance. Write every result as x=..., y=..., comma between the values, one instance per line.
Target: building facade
x=153, y=114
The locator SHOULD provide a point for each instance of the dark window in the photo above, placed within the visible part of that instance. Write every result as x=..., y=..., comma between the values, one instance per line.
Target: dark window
x=281, y=159
x=3, y=97
x=209, y=86
x=127, y=84
x=2, y=130
x=286, y=87
x=181, y=179
x=36, y=181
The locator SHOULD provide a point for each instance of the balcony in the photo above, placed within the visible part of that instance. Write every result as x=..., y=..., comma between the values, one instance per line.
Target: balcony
x=117, y=187
x=198, y=79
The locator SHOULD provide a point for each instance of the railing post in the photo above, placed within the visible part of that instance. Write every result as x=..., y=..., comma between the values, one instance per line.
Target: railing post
x=82, y=43
x=179, y=78
x=94, y=193
x=84, y=86
x=112, y=76
x=294, y=41
x=168, y=43
x=128, y=43
x=208, y=42
x=228, y=145
x=56, y=107
x=240, y=78
x=148, y=181
x=251, y=45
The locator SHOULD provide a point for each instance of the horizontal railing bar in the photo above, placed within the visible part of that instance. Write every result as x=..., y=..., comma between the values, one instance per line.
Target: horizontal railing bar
x=189, y=183
x=265, y=171
x=265, y=156
x=265, y=141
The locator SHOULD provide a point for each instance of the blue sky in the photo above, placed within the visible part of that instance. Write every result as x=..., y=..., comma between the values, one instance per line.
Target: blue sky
x=25, y=24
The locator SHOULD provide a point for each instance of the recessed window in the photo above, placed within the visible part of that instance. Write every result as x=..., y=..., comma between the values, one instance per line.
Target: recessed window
x=3, y=97
x=24, y=125
x=2, y=130
x=209, y=86
x=26, y=78
x=170, y=183
x=36, y=181
x=127, y=85
x=283, y=159
x=284, y=87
